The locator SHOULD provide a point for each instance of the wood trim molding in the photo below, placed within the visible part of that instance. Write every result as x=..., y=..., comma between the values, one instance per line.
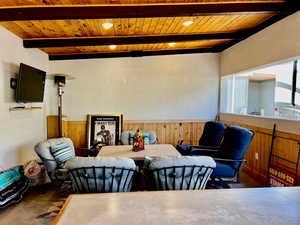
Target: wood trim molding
x=67, y=12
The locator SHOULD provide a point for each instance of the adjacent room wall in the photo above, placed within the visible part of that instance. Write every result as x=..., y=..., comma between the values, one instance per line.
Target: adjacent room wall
x=19, y=130
x=178, y=87
x=278, y=42
x=275, y=43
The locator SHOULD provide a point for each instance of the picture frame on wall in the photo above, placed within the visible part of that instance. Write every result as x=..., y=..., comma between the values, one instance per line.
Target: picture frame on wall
x=104, y=129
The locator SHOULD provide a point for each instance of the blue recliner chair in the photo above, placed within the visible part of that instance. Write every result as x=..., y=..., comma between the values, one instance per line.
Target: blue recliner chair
x=211, y=138
x=230, y=156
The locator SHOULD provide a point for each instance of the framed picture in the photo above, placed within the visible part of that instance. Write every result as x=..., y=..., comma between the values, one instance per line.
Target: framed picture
x=104, y=129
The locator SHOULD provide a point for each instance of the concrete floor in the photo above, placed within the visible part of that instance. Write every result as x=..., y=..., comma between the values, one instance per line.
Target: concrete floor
x=41, y=204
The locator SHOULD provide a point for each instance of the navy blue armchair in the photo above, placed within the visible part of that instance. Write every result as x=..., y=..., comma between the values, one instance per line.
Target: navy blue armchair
x=230, y=156
x=211, y=138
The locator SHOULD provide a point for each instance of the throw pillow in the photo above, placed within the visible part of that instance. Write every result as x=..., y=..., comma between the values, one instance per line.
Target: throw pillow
x=62, y=153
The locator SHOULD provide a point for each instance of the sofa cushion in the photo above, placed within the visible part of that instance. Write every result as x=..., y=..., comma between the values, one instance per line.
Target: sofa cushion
x=62, y=153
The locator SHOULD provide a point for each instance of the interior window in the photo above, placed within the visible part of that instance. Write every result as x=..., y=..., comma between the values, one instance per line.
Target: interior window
x=273, y=91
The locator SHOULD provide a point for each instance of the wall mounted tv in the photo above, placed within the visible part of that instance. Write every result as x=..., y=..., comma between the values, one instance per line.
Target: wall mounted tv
x=30, y=84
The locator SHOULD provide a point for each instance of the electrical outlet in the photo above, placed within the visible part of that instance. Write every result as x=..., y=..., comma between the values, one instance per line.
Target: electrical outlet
x=256, y=155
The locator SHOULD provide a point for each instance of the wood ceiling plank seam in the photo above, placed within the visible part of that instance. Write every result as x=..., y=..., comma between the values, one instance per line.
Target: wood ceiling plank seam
x=139, y=26
x=167, y=23
x=228, y=24
x=114, y=29
x=149, y=25
x=146, y=25
x=92, y=27
x=197, y=25
x=57, y=27
x=241, y=19
x=85, y=31
x=235, y=24
x=206, y=24
x=67, y=24
x=30, y=28
x=215, y=24
x=124, y=30
x=161, y=24
x=132, y=25
x=44, y=31
x=189, y=28
x=177, y=20
x=97, y=27
x=169, y=28
x=118, y=26
x=181, y=29
x=152, y=26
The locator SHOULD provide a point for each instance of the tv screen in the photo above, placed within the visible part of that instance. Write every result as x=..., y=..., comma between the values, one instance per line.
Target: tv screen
x=30, y=84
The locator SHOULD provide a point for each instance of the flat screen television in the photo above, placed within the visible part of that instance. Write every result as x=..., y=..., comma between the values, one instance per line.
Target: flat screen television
x=30, y=84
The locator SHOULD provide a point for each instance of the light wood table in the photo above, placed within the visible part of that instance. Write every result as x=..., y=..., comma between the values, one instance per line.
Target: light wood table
x=150, y=150
x=248, y=206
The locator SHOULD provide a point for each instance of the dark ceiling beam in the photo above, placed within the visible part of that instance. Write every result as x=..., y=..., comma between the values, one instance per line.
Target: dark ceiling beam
x=138, y=11
x=96, y=41
x=255, y=30
x=131, y=54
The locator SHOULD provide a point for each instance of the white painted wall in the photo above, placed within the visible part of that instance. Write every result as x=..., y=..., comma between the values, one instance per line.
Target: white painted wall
x=261, y=95
x=275, y=43
x=19, y=131
x=147, y=88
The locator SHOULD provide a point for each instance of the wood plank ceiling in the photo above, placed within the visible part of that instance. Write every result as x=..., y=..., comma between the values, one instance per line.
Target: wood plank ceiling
x=74, y=29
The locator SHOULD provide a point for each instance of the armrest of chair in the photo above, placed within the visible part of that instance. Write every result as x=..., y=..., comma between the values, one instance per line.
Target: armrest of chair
x=208, y=147
x=231, y=160
x=204, y=152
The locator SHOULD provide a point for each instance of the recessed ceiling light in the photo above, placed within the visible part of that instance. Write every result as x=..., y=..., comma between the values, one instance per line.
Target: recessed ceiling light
x=107, y=26
x=172, y=44
x=187, y=23
x=112, y=47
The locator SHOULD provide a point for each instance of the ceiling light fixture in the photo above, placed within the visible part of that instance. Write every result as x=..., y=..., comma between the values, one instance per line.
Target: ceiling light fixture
x=172, y=44
x=107, y=26
x=187, y=23
x=112, y=47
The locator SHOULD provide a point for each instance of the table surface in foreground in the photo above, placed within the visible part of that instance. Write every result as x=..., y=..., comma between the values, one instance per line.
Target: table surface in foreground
x=263, y=206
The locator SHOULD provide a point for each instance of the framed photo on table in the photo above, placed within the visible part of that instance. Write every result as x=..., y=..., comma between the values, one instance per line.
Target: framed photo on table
x=104, y=129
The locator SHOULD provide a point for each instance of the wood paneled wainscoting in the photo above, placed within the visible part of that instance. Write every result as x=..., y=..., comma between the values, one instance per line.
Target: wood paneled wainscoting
x=168, y=132
x=285, y=146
